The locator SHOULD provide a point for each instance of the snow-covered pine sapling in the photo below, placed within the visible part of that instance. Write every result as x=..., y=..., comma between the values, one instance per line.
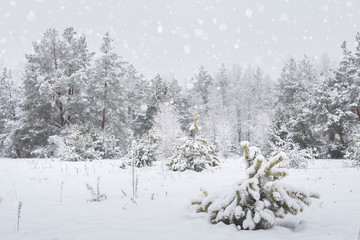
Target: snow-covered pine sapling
x=96, y=196
x=194, y=153
x=257, y=201
x=18, y=217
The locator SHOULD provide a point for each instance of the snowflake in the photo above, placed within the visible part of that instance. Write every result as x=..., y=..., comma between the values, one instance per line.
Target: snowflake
x=249, y=13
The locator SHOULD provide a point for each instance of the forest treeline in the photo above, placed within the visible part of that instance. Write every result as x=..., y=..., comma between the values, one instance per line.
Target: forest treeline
x=71, y=97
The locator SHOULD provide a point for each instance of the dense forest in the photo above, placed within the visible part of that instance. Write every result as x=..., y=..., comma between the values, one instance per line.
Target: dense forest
x=84, y=105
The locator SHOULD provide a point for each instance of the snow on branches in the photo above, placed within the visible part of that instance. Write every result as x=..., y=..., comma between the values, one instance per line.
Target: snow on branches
x=194, y=153
x=257, y=201
x=143, y=151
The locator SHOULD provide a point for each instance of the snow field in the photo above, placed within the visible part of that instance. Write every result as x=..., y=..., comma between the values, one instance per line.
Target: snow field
x=162, y=209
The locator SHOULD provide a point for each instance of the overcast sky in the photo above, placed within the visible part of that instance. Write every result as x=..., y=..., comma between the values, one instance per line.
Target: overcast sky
x=178, y=36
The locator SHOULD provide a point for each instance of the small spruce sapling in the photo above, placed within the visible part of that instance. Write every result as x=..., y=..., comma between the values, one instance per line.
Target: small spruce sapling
x=194, y=153
x=257, y=201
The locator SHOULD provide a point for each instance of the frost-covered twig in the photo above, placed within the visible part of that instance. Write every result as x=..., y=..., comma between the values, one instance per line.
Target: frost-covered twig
x=96, y=196
x=61, y=190
x=18, y=216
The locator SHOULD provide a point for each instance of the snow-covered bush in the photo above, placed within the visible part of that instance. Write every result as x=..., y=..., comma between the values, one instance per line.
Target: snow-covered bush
x=353, y=152
x=257, y=201
x=143, y=151
x=295, y=157
x=194, y=153
x=106, y=144
x=74, y=146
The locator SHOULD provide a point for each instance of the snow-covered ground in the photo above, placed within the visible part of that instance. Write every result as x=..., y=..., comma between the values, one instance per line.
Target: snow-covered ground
x=162, y=206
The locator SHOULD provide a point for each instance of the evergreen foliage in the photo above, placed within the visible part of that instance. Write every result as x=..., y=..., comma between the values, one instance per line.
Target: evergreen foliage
x=54, y=84
x=106, y=93
x=75, y=146
x=143, y=151
x=313, y=109
x=194, y=153
x=8, y=115
x=353, y=153
x=257, y=201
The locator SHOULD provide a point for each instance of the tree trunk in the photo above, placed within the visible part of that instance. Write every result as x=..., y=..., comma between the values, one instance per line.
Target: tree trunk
x=54, y=52
x=104, y=109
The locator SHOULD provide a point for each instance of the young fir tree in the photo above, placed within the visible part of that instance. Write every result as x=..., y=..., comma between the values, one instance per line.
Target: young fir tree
x=194, y=153
x=257, y=201
x=143, y=151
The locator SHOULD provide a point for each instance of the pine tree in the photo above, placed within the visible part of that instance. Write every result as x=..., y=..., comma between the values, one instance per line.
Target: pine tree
x=8, y=114
x=107, y=94
x=257, y=201
x=296, y=91
x=200, y=92
x=334, y=118
x=158, y=93
x=180, y=102
x=54, y=87
x=137, y=91
x=353, y=152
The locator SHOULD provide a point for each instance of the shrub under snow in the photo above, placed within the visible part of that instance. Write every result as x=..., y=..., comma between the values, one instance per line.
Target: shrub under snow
x=295, y=157
x=257, y=201
x=74, y=145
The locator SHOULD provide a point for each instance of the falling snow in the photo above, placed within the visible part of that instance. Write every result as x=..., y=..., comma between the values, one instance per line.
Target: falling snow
x=210, y=30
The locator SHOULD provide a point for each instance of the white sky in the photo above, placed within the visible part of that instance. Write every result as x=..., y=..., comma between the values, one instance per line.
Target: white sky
x=163, y=36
